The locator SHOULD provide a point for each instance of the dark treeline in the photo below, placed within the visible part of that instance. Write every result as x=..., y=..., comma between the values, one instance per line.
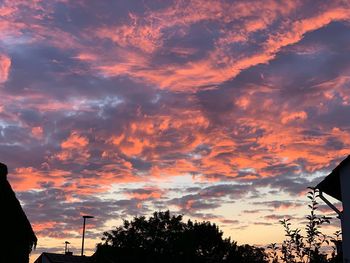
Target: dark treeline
x=166, y=238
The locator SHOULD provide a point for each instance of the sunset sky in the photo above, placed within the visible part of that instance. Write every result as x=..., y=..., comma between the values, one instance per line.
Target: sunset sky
x=219, y=110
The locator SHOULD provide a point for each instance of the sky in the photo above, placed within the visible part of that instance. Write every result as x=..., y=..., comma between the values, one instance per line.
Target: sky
x=218, y=110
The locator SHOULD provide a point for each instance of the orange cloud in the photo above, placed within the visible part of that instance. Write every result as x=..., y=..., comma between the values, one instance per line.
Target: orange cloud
x=5, y=65
x=219, y=64
x=293, y=116
x=75, y=147
x=38, y=227
x=299, y=28
x=26, y=178
x=146, y=193
x=75, y=141
x=86, y=57
x=37, y=132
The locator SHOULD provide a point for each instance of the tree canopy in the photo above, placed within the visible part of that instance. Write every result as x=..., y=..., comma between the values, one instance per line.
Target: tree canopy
x=166, y=238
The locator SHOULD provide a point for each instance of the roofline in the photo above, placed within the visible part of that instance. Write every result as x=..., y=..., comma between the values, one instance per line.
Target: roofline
x=333, y=179
x=46, y=257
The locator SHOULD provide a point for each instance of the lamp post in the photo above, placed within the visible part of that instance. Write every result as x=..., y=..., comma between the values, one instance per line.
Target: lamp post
x=82, y=244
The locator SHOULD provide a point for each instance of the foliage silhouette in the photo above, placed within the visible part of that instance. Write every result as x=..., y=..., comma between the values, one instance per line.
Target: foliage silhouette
x=297, y=248
x=166, y=238
x=18, y=238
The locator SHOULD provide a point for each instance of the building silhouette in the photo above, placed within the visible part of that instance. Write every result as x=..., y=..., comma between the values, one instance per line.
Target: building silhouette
x=62, y=258
x=17, y=236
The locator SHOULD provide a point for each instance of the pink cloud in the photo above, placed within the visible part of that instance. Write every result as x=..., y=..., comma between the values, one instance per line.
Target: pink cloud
x=74, y=141
x=26, y=178
x=146, y=193
x=218, y=65
x=293, y=116
x=5, y=65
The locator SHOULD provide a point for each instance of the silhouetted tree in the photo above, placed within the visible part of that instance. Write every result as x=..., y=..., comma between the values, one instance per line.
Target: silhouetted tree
x=17, y=236
x=166, y=238
x=247, y=254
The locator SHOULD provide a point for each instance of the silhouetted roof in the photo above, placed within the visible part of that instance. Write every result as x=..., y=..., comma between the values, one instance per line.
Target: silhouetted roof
x=14, y=222
x=331, y=184
x=62, y=258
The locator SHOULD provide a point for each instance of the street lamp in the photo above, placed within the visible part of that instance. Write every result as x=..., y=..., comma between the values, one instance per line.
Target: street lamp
x=82, y=245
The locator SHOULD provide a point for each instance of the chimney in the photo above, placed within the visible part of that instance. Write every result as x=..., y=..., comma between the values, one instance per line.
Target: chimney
x=66, y=249
x=3, y=171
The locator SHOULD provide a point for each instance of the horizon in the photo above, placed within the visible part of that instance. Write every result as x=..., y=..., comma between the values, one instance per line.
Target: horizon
x=223, y=111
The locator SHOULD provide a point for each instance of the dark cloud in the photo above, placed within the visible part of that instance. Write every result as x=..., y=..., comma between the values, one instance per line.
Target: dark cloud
x=282, y=205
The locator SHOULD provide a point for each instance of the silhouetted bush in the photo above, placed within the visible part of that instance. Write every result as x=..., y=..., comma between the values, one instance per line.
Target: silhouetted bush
x=297, y=248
